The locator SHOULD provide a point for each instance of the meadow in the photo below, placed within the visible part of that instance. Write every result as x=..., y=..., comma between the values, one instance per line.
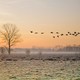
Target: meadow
x=39, y=70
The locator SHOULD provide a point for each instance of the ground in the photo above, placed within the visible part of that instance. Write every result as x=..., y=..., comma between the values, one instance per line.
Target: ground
x=39, y=70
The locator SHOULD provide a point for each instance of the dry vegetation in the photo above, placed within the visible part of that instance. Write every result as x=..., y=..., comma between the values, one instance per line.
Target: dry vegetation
x=39, y=70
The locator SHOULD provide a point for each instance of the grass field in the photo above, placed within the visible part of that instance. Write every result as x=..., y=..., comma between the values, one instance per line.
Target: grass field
x=39, y=70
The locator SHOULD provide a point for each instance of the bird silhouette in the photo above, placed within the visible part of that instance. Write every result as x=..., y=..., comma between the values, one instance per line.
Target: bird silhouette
x=36, y=32
x=58, y=36
x=53, y=36
x=42, y=32
x=66, y=34
x=51, y=32
x=78, y=33
x=75, y=32
x=57, y=32
x=62, y=34
x=31, y=31
x=69, y=33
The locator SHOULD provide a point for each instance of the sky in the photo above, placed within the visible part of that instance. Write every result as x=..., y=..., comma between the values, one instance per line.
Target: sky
x=42, y=16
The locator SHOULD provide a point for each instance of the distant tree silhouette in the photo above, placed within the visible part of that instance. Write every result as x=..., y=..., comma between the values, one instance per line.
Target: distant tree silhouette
x=40, y=55
x=2, y=50
x=10, y=35
x=28, y=53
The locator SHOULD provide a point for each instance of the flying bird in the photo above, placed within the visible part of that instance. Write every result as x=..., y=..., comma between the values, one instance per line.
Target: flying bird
x=51, y=32
x=58, y=36
x=75, y=32
x=31, y=31
x=53, y=36
x=78, y=33
x=57, y=32
x=62, y=34
x=42, y=32
x=66, y=34
x=69, y=33
x=36, y=32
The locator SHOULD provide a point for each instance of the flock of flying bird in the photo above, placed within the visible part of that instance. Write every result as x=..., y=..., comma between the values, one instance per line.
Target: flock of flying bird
x=59, y=34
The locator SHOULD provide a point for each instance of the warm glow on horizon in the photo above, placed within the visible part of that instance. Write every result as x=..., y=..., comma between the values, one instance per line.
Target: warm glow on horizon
x=48, y=41
x=42, y=16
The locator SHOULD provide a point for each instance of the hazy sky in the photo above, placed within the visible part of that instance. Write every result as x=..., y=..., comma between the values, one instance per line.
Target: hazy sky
x=42, y=15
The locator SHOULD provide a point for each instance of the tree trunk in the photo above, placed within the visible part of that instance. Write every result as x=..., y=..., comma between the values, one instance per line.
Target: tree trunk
x=9, y=48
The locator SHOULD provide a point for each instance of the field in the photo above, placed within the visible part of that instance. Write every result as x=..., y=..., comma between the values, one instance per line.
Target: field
x=39, y=70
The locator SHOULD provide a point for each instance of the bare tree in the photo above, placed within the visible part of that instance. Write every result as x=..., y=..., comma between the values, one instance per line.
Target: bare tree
x=10, y=35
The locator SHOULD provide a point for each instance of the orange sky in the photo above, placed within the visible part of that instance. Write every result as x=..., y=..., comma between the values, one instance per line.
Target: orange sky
x=42, y=16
